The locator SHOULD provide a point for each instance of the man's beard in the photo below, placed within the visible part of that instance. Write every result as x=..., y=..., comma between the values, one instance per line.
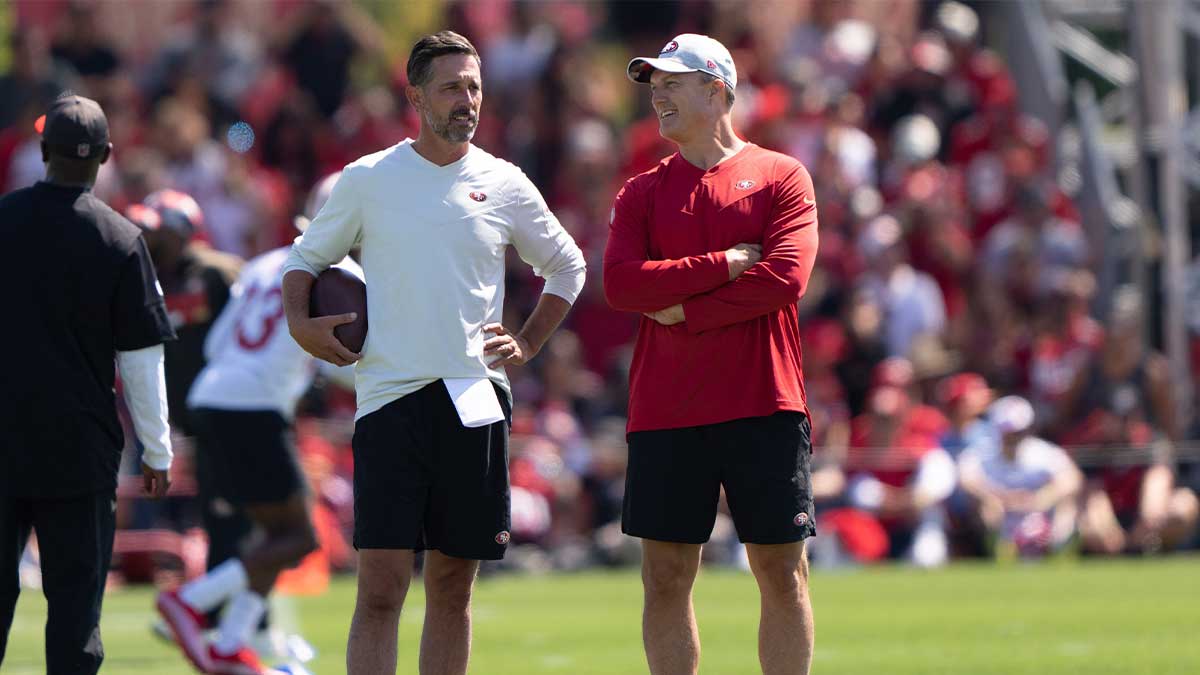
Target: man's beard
x=444, y=130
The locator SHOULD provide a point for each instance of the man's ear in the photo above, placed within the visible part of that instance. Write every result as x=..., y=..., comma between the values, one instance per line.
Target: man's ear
x=718, y=90
x=107, y=153
x=415, y=97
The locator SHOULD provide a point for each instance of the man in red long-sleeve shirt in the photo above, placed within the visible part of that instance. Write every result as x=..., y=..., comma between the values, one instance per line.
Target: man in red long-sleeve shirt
x=715, y=246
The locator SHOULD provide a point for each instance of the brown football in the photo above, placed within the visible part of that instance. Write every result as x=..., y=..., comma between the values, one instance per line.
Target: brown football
x=337, y=291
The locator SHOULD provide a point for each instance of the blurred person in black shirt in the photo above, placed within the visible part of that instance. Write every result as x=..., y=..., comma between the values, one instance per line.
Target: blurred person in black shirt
x=1124, y=432
x=213, y=47
x=31, y=76
x=320, y=47
x=86, y=297
x=81, y=46
x=196, y=281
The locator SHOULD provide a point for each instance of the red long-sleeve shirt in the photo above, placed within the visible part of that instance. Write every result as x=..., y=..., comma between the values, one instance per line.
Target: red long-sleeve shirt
x=737, y=354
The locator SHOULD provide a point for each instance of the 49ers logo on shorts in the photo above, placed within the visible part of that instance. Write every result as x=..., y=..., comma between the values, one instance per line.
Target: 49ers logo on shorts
x=503, y=537
x=801, y=519
x=478, y=196
x=670, y=47
x=744, y=184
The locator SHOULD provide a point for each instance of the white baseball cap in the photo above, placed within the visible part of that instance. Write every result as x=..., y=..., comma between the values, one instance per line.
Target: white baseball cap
x=1011, y=414
x=687, y=53
x=880, y=234
x=916, y=139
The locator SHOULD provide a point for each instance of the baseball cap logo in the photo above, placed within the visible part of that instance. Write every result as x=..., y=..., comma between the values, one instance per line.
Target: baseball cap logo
x=801, y=519
x=670, y=47
x=83, y=149
x=503, y=537
x=744, y=184
x=478, y=196
x=710, y=64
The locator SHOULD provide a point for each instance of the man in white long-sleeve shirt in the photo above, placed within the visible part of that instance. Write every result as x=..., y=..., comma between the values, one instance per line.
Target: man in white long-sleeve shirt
x=434, y=217
x=83, y=293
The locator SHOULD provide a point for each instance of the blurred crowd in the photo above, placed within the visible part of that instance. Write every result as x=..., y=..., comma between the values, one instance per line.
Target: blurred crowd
x=966, y=397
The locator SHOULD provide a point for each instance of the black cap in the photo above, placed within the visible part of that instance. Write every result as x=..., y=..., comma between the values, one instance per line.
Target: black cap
x=74, y=127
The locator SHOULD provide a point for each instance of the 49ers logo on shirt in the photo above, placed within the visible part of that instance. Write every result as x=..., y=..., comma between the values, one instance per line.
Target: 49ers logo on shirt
x=670, y=47
x=478, y=196
x=744, y=184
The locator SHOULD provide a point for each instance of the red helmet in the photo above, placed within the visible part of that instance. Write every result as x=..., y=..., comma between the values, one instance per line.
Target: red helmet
x=177, y=211
x=144, y=217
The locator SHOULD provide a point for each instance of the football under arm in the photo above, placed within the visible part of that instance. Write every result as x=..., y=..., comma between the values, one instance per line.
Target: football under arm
x=144, y=386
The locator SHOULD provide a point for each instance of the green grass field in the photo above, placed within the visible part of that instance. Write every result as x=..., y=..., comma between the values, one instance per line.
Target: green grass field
x=1123, y=617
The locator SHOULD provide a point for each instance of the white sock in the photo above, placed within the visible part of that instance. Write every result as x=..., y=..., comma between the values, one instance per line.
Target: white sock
x=241, y=619
x=930, y=546
x=206, y=592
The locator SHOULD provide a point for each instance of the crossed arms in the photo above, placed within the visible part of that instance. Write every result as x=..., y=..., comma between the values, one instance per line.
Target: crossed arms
x=714, y=289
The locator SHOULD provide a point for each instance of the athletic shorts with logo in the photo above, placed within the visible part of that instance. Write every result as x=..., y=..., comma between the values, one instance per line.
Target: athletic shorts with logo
x=675, y=476
x=424, y=481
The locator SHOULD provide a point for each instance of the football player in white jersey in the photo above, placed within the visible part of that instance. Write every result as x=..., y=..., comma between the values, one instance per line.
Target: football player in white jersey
x=242, y=403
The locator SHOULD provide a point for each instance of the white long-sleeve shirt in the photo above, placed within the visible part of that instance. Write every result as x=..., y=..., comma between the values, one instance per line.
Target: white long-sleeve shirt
x=913, y=305
x=433, y=242
x=144, y=387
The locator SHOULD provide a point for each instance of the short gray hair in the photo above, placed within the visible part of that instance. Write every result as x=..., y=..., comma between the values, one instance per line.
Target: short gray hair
x=729, y=96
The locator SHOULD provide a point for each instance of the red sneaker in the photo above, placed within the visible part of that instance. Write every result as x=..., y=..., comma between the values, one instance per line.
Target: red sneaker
x=187, y=626
x=242, y=662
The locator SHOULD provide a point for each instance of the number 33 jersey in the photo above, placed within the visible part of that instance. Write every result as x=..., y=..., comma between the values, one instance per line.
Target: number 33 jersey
x=253, y=362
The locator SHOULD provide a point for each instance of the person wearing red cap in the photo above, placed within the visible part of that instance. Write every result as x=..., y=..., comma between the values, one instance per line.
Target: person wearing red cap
x=714, y=246
x=89, y=299
x=900, y=474
x=964, y=397
x=899, y=372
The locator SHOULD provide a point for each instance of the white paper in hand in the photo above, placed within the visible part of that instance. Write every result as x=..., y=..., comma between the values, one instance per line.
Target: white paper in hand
x=475, y=399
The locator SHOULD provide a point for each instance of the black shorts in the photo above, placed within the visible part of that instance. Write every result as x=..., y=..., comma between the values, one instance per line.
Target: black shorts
x=424, y=481
x=675, y=476
x=249, y=455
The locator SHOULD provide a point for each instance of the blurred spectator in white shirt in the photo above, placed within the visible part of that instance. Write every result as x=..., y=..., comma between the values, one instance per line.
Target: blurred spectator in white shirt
x=911, y=300
x=1024, y=488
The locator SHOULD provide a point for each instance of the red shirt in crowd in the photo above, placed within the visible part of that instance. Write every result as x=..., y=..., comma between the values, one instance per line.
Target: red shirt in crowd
x=737, y=354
